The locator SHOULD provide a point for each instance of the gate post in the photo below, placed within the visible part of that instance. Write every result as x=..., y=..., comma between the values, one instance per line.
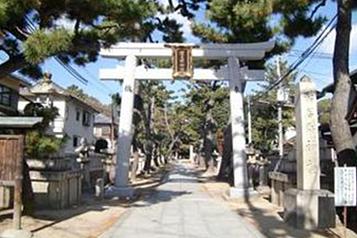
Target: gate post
x=14, y=153
x=18, y=183
x=125, y=130
x=241, y=184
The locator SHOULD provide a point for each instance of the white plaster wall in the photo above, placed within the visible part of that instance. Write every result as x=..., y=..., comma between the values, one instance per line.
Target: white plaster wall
x=58, y=124
x=72, y=127
x=22, y=104
x=60, y=103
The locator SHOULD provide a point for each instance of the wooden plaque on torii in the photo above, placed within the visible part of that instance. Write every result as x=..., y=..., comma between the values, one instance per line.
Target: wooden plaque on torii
x=182, y=64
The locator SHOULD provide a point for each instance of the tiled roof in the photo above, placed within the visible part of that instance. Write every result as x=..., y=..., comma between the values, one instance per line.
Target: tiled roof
x=47, y=86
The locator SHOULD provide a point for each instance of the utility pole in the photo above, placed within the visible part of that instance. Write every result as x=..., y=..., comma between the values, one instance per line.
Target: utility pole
x=249, y=117
x=280, y=99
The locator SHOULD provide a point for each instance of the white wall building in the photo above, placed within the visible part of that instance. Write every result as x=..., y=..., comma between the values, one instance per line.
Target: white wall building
x=75, y=117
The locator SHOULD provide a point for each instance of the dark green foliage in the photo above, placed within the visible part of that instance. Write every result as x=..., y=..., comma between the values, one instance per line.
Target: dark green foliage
x=74, y=30
x=242, y=21
x=324, y=107
x=38, y=144
x=41, y=44
x=202, y=98
x=171, y=30
x=264, y=110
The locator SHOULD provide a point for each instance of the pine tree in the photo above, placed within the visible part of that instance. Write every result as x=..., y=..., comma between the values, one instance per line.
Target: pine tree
x=74, y=30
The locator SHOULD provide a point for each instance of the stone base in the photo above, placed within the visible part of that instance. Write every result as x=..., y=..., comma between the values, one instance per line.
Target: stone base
x=12, y=233
x=56, y=189
x=280, y=182
x=242, y=192
x=309, y=209
x=119, y=192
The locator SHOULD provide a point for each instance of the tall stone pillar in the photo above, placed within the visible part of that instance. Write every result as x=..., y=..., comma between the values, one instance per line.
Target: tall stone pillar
x=241, y=185
x=307, y=137
x=308, y=207
x=125, y=130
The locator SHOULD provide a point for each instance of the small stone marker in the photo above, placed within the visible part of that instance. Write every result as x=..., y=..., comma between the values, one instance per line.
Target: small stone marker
x=345, y=186
x=99, y=188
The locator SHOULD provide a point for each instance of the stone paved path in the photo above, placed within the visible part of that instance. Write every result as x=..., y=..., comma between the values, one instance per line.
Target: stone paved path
x=180, y=209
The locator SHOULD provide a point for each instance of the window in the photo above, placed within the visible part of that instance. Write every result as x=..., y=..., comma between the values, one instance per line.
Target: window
x=78, y=115
x=5, y=95
x=75, y=141
x=86, y=118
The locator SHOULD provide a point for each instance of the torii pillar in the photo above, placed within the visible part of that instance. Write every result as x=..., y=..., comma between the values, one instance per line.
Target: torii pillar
x=236, y=90
x=236, y=75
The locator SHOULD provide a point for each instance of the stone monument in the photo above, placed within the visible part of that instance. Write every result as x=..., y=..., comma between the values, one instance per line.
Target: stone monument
x=308, y=207
x=83, y=153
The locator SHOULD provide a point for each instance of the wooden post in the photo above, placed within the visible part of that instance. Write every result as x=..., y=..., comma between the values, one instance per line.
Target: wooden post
x=18, y=183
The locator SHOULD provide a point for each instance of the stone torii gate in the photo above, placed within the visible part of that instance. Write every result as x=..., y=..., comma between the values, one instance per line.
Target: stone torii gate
x=236, y=75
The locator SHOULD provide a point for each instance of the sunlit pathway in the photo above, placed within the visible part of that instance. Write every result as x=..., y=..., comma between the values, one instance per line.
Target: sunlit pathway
x=180, y=208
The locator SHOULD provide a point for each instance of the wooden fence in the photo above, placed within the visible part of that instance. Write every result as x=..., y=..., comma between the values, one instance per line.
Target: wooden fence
x=11, y=165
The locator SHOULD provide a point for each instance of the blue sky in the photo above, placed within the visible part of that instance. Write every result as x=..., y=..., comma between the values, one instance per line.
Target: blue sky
x=318, y=67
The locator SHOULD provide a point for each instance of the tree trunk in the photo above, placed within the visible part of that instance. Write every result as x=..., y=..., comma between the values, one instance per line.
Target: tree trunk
x=136, y=120
x=148, y=159
x=226, y=169
x=201, y=158
x=340, y=129
x=208, y=143
x=171, y=147
x=208, y=136
x=148, y=127
x=155, y=157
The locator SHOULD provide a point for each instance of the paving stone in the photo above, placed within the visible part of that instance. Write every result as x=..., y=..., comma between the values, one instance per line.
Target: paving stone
x=180, y=209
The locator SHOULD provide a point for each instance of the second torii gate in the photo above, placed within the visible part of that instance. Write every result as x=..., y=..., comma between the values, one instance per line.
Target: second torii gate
x=232, y=72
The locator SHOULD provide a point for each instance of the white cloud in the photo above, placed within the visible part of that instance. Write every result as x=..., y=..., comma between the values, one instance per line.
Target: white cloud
x=329, y=43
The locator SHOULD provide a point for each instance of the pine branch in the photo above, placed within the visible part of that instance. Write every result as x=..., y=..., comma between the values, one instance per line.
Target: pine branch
x=321, y=4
